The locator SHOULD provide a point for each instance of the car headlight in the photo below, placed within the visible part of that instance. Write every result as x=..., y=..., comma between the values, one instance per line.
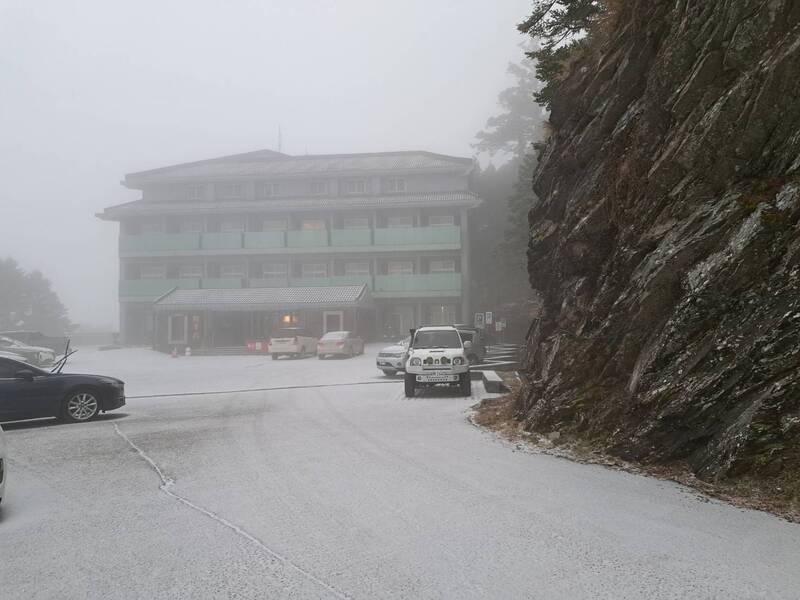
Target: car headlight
x=415, y=362
x=458, y=360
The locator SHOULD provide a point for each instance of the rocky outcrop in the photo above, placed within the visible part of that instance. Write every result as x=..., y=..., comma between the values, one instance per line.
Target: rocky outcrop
x=666, y=241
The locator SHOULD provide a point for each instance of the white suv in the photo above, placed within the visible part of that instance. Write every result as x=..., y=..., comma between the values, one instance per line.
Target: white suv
x=437, y=355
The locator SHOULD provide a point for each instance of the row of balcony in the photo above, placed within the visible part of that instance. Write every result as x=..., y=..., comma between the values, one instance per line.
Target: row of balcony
x=366, y=239
x=422, y=284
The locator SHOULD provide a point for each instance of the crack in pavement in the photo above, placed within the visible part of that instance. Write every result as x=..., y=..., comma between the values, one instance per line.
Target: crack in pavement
x=267, y=389
x=167, y=483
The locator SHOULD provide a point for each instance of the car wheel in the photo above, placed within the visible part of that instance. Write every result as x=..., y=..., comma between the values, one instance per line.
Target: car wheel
x=466, y=385
x=389, y=372
x=410, y=385
x=80, y=406
x=320, y=356
x=274, y=357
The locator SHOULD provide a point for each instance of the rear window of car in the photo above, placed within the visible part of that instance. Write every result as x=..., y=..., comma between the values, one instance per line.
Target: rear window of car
x=335, y=335
x=287, y=333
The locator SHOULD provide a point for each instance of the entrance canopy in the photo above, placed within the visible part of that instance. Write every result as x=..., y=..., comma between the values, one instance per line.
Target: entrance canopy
x=255, y=299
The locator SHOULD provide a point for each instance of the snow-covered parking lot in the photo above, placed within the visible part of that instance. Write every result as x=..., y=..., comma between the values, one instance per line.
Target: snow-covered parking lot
x=345, y=490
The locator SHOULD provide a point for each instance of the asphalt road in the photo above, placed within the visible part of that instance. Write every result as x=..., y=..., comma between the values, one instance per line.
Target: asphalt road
x=355, y=492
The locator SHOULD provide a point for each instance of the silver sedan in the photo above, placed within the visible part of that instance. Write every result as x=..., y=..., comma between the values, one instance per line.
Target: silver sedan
x=340, y=343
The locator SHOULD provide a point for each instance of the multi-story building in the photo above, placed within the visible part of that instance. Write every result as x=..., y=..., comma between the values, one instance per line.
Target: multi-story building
x=221, y=251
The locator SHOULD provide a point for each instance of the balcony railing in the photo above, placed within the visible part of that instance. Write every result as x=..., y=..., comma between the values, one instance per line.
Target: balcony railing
x=307, y=237
x=146, y=242
x=351, y=237
x=419, y=283
x=150, y=289
x=264, y=239
x=417, y=236
x=425, y=284
x=221, y=241
x=363, y=239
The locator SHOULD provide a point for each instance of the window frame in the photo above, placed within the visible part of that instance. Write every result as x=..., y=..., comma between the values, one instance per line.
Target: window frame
x=394, y=263
x=305, y=271
x=450, y=218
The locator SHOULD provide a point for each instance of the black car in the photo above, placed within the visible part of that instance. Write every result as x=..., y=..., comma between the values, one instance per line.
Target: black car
x=29, y=393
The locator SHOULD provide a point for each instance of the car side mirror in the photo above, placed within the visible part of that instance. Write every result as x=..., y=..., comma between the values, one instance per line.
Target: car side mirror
x=25, y=375
x=467, y=345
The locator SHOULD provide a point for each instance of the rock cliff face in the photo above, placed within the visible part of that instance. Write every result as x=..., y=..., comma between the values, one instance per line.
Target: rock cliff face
x=666, y=241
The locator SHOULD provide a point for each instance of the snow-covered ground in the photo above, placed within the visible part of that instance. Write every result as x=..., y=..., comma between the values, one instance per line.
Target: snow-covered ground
x=147, y=372
x=348, y=491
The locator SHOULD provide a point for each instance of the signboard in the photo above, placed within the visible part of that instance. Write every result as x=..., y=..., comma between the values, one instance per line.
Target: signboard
x=479, y=320
x=489, y=318
x=498, y=326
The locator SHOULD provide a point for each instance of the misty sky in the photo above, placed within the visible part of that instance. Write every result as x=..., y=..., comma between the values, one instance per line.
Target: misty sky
x=93, y=89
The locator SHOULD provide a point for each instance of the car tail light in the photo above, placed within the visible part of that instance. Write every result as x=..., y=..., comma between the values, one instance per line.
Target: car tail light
x=339, y=344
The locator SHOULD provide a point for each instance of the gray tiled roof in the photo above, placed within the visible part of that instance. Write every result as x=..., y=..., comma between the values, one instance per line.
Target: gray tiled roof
x=265, y=298
x=269, y=164
x=433, y=199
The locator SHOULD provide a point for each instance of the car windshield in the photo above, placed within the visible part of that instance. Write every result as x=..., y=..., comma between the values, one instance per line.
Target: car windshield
x=437, y=338
x=335, y=335
x=287, y=333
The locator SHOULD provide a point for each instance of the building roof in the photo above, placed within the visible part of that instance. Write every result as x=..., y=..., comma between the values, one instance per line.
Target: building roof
x=287, y=298
x=431, y=199
x=269, y=164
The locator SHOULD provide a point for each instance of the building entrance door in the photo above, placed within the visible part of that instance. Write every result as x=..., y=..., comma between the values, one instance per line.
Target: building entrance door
x=401, y=319
x=333, y=321
x=178, y=326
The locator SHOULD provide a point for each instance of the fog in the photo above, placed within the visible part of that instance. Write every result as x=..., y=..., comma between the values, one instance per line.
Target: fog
x=92, y=90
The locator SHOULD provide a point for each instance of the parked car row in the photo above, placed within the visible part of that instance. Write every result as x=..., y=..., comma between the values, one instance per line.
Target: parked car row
x=296, y=342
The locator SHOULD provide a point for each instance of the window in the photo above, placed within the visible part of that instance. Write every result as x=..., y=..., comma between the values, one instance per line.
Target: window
x=443, y=266
x=152, y=271
x=356, y=268
x=268, y=189
x=275, y=270
x=152, y=227
x=230, y=191
x=315, y=270
x=232, y=226
x=356, y=222
x=194, y=192
x=441, y=220
x=400, y=267
x=232, y=271
x=190, y=271
x=314, y=224
x=395, y=185
x=355, y=186
x=274, y=225
x=400, y=221
x=318, y=188
x=190, y=227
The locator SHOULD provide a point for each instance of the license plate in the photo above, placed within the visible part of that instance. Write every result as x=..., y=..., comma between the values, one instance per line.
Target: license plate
x=433, y=378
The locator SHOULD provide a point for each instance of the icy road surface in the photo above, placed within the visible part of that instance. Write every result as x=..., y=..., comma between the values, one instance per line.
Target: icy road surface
x=346, y=492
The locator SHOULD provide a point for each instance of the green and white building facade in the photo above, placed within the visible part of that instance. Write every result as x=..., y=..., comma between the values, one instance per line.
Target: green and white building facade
x=380, y=243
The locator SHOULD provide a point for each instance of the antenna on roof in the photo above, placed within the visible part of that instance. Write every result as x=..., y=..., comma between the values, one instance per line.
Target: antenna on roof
x=280, y=139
